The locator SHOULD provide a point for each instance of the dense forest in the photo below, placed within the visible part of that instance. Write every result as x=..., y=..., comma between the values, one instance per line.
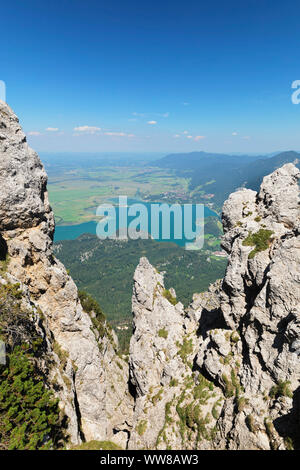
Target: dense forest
x=105, y=268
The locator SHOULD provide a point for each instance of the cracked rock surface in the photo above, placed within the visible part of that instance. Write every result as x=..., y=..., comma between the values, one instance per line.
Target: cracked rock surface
x=89, y=369
x=222, y=373
x=234, y=384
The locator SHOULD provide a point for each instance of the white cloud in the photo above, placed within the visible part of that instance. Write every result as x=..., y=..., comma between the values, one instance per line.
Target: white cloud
x=176, y=136
x=118, y=134
x=199, y=137
x=185, y=132
x=115, y=134
x=234, y=133
x=189, y=136
x=87, y=129
x=34, y=133
x=52, y=129
x=152, y=122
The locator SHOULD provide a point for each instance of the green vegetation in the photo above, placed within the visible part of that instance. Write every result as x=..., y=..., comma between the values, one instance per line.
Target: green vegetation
x=167, y=294
x=202, y=389
x=289, y=443
x=92, y=307
x=173, y=382
x=78, y=185
x=107, y=272
x=251, y=423
x=3, y=265
x=63, y=357
x=168, y=420
x=282, y=389
x=241, y=403
x=141, y=427
x=185, y=349
x=156, y=398
x=163, y=333
x=229, y=389
x=213, y=226
x=260, y=240
x=76, y=192
x=13, y=290
x=234, y=337
x=97, y=445
x=191, y=417
x=226, y=360
x=269, y=427
x=29, y=415
x=232, y=386
x=215, y=412
x=104, y=269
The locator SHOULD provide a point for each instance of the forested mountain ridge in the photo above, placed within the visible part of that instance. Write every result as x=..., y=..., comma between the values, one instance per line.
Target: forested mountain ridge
x=207, y=175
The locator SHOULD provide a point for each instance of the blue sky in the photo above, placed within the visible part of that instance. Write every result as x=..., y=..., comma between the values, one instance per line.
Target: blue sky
x=153, y=76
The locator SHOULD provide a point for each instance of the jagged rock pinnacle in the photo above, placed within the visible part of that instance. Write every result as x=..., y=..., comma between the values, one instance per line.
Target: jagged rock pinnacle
x=240, y=340
x=84, y=365
x=23, y=180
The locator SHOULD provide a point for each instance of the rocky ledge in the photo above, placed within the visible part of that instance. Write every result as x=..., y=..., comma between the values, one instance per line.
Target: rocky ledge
x=220, y=374
x=85, y=370
x=224, y=374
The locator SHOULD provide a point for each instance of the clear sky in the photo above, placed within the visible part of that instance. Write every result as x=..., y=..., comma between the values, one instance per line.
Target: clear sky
x=160, y=75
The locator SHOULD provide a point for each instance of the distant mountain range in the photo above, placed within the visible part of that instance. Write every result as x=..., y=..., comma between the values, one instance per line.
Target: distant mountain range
x=75, y=160
x=221, y=174
x=262, y=167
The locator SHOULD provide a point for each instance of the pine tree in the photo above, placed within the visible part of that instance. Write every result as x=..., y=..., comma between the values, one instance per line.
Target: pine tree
x=29, y=414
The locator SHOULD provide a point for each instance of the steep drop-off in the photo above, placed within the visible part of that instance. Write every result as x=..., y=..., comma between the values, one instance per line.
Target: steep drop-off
x=225, y=373
x=221, y=374
x=86, y=365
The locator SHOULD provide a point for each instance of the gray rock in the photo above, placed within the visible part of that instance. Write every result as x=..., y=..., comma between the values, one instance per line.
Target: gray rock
x=27, y=225
x=245, y=334
x=222, y=374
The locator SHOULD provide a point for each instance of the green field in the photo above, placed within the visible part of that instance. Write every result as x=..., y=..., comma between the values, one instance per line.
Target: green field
x=75, y=194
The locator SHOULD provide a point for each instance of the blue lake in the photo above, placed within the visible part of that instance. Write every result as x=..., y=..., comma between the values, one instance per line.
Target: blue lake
x=71, y=232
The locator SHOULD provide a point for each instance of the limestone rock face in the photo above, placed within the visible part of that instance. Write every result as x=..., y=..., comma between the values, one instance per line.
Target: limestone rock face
x=151, y=327
x=221, y=374
x=227, y=374
x=157, y=371
x=23, y=198
x=26, y=230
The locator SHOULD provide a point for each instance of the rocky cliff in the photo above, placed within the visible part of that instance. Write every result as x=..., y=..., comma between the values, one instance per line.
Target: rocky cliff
x=224, y=374
x=87, y=375
x=221, y=374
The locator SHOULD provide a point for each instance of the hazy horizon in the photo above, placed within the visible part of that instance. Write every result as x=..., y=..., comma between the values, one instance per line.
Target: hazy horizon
x=162, y=78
